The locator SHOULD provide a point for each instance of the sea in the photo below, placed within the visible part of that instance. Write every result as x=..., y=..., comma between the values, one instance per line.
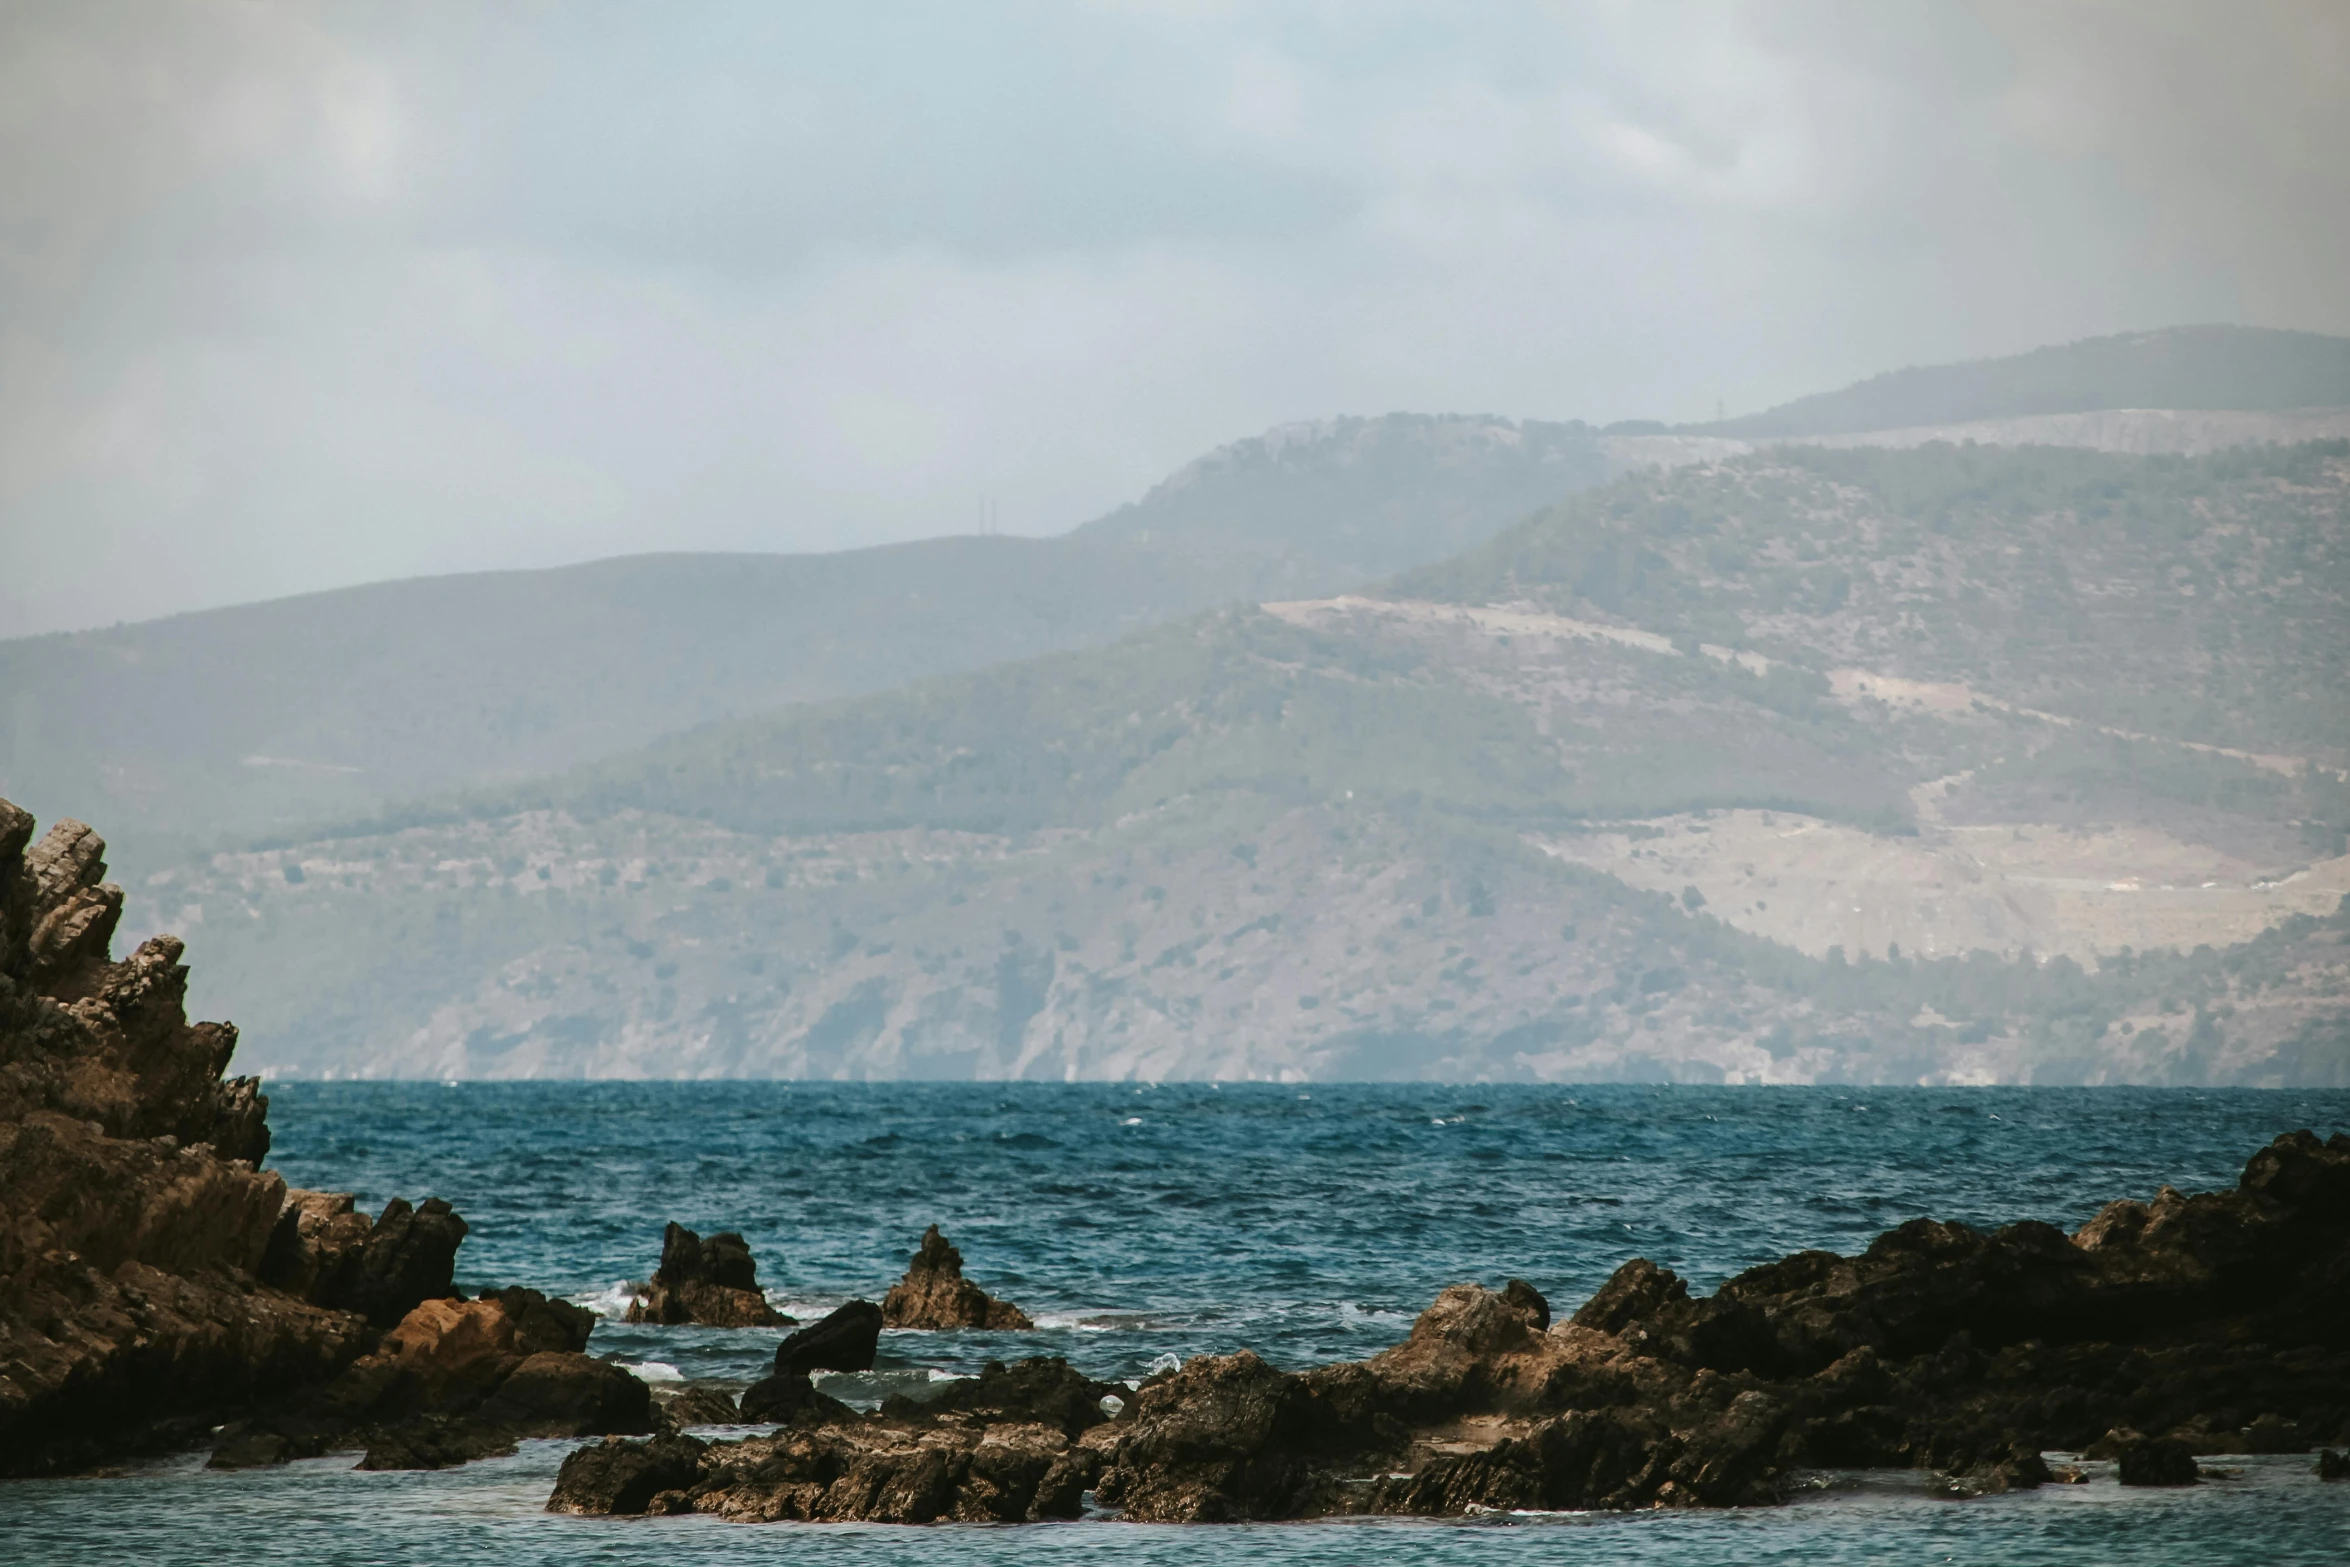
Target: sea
x=1140, y=1224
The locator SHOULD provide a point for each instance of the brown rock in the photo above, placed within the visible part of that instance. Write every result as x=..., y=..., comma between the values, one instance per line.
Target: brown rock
x=134, y=1224
x=613, y=1477
x=843, y=1339
x=561, y=1393
x=714, y=1282
x=934, y=1294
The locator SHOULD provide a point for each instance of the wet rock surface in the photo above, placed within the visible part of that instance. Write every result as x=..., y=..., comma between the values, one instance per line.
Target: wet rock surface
x=2160, y=1331
x=934, y=1294
x=714, y=1282
x=153, y=1280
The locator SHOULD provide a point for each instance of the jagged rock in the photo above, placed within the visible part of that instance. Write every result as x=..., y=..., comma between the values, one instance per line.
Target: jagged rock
x=790, y=1398
x=2333, y=1465
x=934, y=1294
x=617, y=1477
x=1225, y=1439
x=134, y=1222
x=325, y=1251
x=714, y=1282
x=845, y=1339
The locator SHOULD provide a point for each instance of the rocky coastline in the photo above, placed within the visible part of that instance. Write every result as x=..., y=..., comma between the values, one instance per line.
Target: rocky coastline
x=2160, y=1332
x=160, y=1290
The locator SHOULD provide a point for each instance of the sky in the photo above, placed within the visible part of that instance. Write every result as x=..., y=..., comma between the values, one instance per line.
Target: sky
x=297, y=296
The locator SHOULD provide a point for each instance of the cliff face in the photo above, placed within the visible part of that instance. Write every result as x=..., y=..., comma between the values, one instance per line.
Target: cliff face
x=136, y=1227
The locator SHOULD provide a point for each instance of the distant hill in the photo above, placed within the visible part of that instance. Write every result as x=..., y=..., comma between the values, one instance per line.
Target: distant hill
x=1789, y=768
x=271, y=718
x=2205, y=367
x=265, y=716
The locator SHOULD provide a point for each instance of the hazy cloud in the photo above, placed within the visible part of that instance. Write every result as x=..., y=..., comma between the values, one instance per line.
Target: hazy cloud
x=296, y=296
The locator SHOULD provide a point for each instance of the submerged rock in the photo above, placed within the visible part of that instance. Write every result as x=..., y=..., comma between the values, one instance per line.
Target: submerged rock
x=154, y=1282
x=714, y=1282
x=934, y=1294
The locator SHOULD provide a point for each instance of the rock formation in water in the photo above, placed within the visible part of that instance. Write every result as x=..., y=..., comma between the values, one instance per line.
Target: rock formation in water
x=714, y=1282
x=2163, y=1330
x=455, y=1380
x=155, y=1282
x=1016, y=1443
x=934, y=1294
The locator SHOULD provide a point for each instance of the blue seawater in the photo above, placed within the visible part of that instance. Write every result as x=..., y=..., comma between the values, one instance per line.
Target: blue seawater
x=1136, y=1222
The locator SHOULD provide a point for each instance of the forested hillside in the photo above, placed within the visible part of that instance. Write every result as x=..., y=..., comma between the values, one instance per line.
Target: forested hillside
x=1794, y=767
x=269, y=716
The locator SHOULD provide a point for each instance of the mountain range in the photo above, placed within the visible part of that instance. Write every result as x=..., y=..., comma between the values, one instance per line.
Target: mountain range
x=1877, y=762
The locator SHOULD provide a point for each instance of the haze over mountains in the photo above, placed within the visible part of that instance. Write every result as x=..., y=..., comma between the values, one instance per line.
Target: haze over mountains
x=1751, y=765
x=269, y=716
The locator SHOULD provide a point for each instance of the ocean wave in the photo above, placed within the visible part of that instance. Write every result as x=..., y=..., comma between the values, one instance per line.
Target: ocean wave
x=1355, y=1316
x=652, y=1370
x=612, y=1303
x=1091, y=1321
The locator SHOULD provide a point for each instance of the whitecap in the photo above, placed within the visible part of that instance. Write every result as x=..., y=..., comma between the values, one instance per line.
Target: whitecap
x=1132, y=1120
x=936, y=1374
x=1167, y=1362
x=611, y=1304
x=652, y=1370
x=1081, y=1321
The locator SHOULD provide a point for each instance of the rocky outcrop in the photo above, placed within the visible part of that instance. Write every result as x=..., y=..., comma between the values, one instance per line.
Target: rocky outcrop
x=714, y=1282
x=1008, y=1446
x=934, y=1294
x=154, y=1281
x=325, y=1250
x=2158, y=1332
x=844, y=1339
x=455, y=1379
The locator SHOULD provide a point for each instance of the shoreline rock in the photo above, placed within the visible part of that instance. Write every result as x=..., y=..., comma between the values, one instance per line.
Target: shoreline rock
x=934, y=1294
x=156, y=1283
x=712, y=1282
x=2213, y=1319
x=154, y=1280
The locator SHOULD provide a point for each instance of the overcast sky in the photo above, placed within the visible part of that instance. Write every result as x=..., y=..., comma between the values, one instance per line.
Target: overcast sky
x=298, y=295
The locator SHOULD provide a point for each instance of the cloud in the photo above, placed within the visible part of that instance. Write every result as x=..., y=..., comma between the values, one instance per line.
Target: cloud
x=291, y=297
